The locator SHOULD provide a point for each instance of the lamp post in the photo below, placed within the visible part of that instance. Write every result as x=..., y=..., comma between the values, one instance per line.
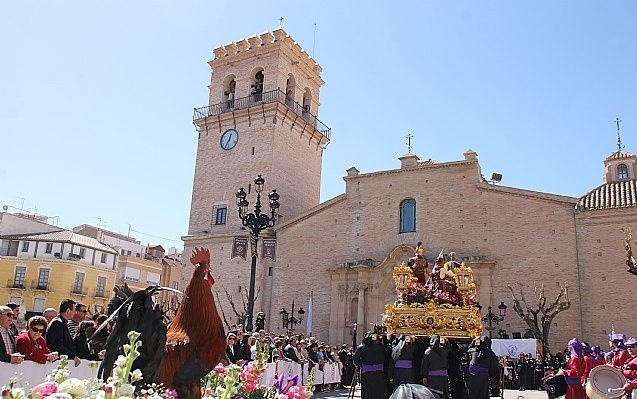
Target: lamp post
x=288, y=320
x=256, y=222
x=493, y=320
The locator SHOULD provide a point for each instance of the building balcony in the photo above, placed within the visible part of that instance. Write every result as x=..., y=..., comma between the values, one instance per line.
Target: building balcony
x=79, y=291
x=13, y=283
x=39, y=286
x=259, y=99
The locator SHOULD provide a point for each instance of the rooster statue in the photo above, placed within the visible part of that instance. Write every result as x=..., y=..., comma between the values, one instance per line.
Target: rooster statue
x=177, y=356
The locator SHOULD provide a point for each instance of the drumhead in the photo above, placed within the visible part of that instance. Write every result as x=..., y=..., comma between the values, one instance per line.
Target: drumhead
x=602, y=379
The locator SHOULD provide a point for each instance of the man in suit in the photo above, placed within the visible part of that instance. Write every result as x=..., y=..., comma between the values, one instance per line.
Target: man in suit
x=8, y=352
x=291, y=351
x=58, y=337
x=15, y=308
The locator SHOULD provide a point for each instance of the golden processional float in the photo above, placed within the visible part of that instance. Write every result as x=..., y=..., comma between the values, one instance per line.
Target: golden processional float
x=441, y=302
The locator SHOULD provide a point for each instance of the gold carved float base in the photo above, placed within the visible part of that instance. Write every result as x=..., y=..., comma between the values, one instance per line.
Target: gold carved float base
x=445, y=320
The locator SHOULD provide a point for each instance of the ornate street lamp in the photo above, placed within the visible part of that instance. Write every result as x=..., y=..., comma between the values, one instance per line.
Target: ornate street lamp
x=256, y=222
x=288, y=320
x=493, y=320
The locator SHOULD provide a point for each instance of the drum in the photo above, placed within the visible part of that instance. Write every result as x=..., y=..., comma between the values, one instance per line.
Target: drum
x=556, y=386
x=605, y=382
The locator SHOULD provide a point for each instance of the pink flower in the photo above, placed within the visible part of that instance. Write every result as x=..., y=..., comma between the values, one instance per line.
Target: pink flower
x=45, y=389
x=298, y=392
x=249, y=387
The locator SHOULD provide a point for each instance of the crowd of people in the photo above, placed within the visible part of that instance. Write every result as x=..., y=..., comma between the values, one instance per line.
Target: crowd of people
x=450, y=369
x=575, y=364
x=54, y=333
x=242, y=347
x=456, y=369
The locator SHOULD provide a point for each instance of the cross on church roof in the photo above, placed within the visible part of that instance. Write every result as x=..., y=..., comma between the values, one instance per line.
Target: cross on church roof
x=408, y=143
x=619, y=140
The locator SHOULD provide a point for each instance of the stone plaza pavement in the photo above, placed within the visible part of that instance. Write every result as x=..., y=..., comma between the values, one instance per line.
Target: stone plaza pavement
x=508, y=394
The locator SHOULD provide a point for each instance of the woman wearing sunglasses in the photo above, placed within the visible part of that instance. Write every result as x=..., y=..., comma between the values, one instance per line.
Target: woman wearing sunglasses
x=31, y=343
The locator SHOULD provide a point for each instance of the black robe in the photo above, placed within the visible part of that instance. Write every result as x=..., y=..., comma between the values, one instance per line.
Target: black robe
x=348, y=367
x=435, y=361
x=373, y=383
x=403, y=353
x=456, y=381
x=478, y=383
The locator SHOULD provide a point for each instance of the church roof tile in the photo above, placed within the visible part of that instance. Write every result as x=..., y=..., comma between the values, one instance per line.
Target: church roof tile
x=617, y=194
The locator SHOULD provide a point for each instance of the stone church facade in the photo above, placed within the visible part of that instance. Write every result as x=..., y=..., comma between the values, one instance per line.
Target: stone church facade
x=262, y=119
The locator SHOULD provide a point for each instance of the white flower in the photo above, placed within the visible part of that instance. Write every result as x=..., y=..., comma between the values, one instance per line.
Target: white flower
x=121, y=361
x=125, y=390
x=17, y=393
x=74, y=387
x=59, y=395
x=136, y=375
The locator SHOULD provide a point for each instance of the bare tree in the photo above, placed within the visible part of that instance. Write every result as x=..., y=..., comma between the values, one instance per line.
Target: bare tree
x=540, y=318
x=169, y=308
x=241, y=315
x=630, y=259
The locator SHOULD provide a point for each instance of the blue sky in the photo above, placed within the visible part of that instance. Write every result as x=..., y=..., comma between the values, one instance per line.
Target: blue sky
x=96, y=97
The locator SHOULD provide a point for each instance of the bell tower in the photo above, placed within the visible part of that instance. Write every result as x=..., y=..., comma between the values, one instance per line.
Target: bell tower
x=620, y=165
x=261, y=118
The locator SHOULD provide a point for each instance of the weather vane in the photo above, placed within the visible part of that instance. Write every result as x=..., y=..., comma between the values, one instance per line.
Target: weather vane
x=619, y=140
x=409, y=136
x=281, y=21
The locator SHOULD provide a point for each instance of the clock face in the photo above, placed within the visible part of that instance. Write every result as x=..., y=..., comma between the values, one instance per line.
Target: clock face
x=229, y=139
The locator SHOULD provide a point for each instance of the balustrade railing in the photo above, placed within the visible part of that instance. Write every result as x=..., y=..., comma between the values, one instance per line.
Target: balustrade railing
x=258, y=99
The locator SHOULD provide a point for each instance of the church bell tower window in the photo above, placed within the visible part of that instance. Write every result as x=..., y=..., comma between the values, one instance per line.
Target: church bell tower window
x=257, y=87
x=622, y=171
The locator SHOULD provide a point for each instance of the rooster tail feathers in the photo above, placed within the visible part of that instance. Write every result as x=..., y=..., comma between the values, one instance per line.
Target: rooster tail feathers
x=138, y=312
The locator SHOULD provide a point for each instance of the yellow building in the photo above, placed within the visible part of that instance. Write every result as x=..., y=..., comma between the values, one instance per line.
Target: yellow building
x=153, y=269
x=42, y=269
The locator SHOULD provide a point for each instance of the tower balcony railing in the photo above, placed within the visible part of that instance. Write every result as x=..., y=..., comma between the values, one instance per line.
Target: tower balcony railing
x=257, y=99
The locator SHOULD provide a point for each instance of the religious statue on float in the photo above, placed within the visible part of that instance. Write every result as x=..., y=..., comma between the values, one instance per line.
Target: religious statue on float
x=448, y=281
x=439, y=299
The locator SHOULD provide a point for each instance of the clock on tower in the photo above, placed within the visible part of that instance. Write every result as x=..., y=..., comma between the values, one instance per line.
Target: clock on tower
x=261, y=119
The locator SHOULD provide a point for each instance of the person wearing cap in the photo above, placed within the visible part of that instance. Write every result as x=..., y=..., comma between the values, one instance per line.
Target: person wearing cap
x=575, y=369
x=629, y=369
x=372, y=360
x=598, y=356
x=618, y=355
x=588, y=361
